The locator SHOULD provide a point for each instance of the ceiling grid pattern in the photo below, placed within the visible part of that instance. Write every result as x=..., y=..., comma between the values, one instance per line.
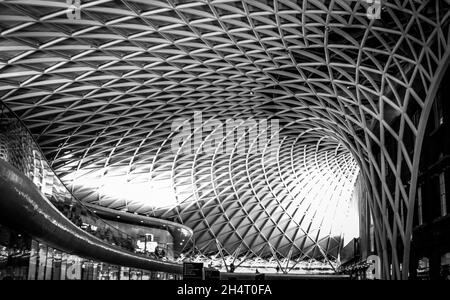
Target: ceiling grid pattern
x=100, y=94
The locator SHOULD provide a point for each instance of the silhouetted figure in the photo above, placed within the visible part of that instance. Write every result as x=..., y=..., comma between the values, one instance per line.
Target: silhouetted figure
x=232, y=268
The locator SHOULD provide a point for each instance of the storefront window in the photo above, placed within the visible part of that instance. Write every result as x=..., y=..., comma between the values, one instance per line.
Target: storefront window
x=423, y=269
x=14, y=254
x=445, y=266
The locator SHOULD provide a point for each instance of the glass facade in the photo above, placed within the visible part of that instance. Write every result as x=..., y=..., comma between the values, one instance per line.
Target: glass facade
x=18, y=148
x=22, y=258
x=51, y=264
x=15, y=249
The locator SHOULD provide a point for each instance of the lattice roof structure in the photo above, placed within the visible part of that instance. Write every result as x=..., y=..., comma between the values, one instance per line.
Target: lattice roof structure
x=100, y=84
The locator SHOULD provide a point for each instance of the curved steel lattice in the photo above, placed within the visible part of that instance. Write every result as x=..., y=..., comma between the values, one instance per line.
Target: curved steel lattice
x=101, y=84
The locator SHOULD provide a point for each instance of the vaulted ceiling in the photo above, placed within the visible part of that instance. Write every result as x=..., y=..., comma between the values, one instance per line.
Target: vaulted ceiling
x=101, y=84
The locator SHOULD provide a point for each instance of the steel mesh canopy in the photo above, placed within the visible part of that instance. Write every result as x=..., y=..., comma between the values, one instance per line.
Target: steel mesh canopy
x=100, y=93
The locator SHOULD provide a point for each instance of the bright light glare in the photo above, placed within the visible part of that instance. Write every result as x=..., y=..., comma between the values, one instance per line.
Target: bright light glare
x=152, y=195
x=157, y=194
